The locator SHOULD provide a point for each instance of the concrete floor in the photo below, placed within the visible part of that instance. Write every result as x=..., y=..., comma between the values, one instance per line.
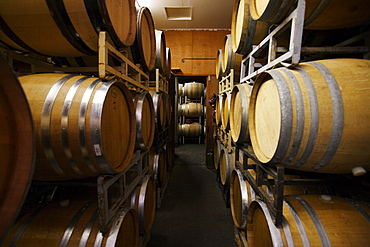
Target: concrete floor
x=193, y=212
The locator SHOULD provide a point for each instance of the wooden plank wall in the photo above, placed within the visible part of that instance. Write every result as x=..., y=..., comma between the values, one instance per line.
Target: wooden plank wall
x=202, y=45
x=199, y=44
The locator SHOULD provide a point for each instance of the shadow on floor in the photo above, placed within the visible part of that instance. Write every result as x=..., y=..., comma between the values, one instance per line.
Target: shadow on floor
x=193, y=212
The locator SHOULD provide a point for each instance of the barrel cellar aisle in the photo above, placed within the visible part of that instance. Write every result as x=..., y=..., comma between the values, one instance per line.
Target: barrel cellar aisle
x=193, y=213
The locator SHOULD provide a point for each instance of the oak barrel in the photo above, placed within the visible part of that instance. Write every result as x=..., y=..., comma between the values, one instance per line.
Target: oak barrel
x=242, y=194
x=310, y=220
x=245, y=31
x=17, y=146
x=158, y=165
x=143, y=200
x=239, y=103
x=73, y=223
x=231, y=60
x=160, y=107
x=168, y=72
x=194, y=90
x=226, y=165
x=144, y=47
x=225, y=114
x=218, y=110
x=219, y=64
x=145, y=121
x=160, y=59
x=307, y=118
x=84, y=126
x=319, y=14
x=66, y=28
x=191, y=109
x=190, y=130
x=216, y=153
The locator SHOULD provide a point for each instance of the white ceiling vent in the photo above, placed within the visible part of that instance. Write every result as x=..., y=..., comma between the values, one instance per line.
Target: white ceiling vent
x=181, y=13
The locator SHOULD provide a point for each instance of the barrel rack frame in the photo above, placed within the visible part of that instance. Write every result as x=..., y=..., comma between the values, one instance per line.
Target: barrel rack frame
x=134, y=78
x=273, y=175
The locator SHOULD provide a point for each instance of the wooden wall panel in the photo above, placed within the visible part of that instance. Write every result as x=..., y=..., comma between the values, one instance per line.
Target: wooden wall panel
x=198, y=44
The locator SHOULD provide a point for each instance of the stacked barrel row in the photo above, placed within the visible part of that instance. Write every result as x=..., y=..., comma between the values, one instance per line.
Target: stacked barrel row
x=67, y=127
x=191, y=109
x=311, y=120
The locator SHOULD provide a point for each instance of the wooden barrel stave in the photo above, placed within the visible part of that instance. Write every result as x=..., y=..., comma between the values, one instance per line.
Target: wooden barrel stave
x=191, y=109
x=239, y=104
x=143, y=200
x=308, y=220
x=319, y=98
x=319, y=14
x=17, y=146
x=75, y=224
x=74, y=139
x=190, y=130
x=72, y=26
x=193, y=90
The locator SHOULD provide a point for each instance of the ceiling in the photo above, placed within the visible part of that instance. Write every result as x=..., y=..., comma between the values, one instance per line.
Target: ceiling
x=204, y=14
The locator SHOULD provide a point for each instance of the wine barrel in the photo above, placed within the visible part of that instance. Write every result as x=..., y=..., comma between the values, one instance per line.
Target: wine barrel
x=73, y=223
x=319, y=14
x=168, y=72
x=160, y=60
x=180, y=90
x=158, y=162
x=193, y=90
x=242, y=194
x=219, y=64
x=17, y=146
x=218, y=110
x=191, y=109
x=231, y=60
x=144, y=47
x=308, y=221
x=84, y=126
x=226, y=165
x=190, y=130
x=66, y=28
x=245, y=31
x=160, y=108
x=225, y=115
x=143, y=200
x=307, y=118
x=145, y=122
x=239, y=103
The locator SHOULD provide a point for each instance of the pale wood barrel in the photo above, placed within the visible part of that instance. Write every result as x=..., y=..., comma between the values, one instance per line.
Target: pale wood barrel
x=218, y=110
x=231, y=60
x=193, y=90
x=168, y=72
x=160, y=107
x=191, y=109
x=190, y=130
x=225, y=115
x=74, y=224
x=242, y=194
x=239, y=104
x=319, y=14
x=84, y=126
x=160, y=60
x=226, y=165
x=308, y=119
x=144, y=47
x=143, y=200
x=145, y=119
x=180, y=90
x=219, y=64
x=17, y=146
x=310, y=220
x=245, y=31
x=158, y=165
x=66, y=28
